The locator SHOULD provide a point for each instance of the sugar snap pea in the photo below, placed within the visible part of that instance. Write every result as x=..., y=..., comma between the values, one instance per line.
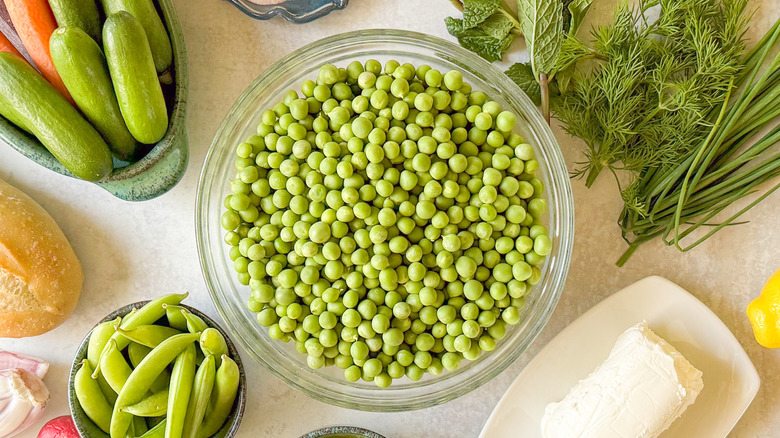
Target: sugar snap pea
x=136, y=353
x=212, y=342
x=148, y=314
x=175, y=317
x=154, y=405
x=199, y=399
x=182, y=378
x=114, y=367
x=91, y=398
x=158, y=431
x=98, y=340
x=225, y=390
x=149, y=335
x=139, y=426
x=143, y=376
x=194, y=322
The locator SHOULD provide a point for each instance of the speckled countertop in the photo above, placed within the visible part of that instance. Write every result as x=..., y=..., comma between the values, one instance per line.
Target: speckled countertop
x=133, y=251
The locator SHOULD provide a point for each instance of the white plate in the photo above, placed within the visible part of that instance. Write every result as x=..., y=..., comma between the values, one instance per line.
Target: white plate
x=730, y=379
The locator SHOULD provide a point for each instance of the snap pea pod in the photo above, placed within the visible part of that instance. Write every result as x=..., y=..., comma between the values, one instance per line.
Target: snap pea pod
x=158, y=431
x=149, y=335
x=143, y=376
x=98, y=340
x=136, y=353
x=114, y=367
x=194, y=322
x=225, y=390
x=182, y=378
x=148, y=314
x=212, y=342
x=175, y=318
x=139, y=426
x=153, y=406
x=91, y=398
x=162, y=381
x=199, y=399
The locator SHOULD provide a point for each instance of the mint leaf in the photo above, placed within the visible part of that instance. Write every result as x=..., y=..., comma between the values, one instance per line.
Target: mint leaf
x=577, y=9
x=497, y=25
x=484, y=45
x=542, y=23
x=523, y=76
x=477, y=11
x=454, y=26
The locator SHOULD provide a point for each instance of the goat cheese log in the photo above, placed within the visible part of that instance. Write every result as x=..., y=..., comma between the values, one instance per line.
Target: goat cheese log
x=642, y=387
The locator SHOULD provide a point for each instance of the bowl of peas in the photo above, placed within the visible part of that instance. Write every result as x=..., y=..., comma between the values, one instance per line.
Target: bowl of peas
x=132, y=362
x=384, y=220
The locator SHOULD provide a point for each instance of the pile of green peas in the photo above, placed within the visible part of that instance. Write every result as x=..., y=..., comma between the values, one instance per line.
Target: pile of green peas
x=387, y=220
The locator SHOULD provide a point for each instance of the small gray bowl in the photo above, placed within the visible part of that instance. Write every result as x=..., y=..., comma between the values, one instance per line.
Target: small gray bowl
x=88, y=429
x=164, y=165
x=296, y=11
x=342, y=432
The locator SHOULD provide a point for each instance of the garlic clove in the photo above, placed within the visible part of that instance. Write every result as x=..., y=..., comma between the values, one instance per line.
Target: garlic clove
x=9, y=361
x=23, y=398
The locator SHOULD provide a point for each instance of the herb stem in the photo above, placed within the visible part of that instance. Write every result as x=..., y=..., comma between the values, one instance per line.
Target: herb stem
x=509, y=15
x=458, y=4
x=545, y=91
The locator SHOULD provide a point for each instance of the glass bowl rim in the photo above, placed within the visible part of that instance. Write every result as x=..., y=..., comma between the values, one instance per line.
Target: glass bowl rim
x=555, y=172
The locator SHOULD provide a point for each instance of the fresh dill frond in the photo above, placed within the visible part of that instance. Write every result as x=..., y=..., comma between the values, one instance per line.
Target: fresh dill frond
x=646, y=99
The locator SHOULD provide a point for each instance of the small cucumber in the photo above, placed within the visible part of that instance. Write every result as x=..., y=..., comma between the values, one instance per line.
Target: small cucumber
x=82, y=67
x=135, y=79
x=78, y=13
x=146, y=13
x=27, y=97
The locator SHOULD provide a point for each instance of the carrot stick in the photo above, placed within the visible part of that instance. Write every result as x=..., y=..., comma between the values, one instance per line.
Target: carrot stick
x=6, y=46
x=34, y=22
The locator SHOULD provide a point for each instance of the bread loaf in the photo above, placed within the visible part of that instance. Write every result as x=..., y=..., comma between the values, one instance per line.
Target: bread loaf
x=40, y=276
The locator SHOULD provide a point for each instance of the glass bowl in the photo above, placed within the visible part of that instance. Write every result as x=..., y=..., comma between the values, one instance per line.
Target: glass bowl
x=229, y=296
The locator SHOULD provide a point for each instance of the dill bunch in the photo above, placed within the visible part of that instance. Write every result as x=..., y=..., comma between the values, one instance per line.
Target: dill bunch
x=646, y=98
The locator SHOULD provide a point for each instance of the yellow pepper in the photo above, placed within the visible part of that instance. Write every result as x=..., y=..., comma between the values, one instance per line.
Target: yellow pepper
x=764, y=313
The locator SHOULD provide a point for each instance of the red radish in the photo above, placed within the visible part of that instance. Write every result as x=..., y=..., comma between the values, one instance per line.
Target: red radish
x=60, y=427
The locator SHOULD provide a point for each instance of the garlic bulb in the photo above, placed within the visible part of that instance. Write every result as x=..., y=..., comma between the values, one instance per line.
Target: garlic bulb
x=23, y=397
x=9, y=361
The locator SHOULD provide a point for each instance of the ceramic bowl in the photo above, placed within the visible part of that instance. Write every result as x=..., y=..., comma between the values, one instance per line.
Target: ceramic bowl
x=342, y=432
x=297, y=11
x=164, y=165
x=88, y=429
x=230, y=296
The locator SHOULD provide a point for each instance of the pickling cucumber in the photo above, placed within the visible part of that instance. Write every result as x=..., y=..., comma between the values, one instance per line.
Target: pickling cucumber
x=82, y=67
x=135, y=81
x=27, y=97
x=146, y=13
x=78, y=13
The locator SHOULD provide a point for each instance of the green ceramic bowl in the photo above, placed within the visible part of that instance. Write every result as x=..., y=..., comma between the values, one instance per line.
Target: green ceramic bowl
x=88, y=429
x=164, y=165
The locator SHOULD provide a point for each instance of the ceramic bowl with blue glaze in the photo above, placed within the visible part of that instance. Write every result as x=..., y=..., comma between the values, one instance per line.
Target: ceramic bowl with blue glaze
x=165, y=162
x=88, y=429
x=297, y=11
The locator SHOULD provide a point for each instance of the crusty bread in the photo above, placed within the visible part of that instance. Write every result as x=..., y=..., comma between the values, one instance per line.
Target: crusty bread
x=40, y=276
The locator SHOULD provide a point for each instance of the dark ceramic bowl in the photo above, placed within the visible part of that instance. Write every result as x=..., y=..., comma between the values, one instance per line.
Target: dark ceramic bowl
x=297, y=11
x=88, y=429
x=164, y=165
x=342, y=432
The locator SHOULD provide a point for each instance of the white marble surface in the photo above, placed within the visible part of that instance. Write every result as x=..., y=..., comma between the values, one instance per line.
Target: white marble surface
x=134, y=251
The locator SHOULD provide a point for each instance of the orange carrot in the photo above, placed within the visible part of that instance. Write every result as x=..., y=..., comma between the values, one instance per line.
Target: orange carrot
x=35, y=23
x=6, y=46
